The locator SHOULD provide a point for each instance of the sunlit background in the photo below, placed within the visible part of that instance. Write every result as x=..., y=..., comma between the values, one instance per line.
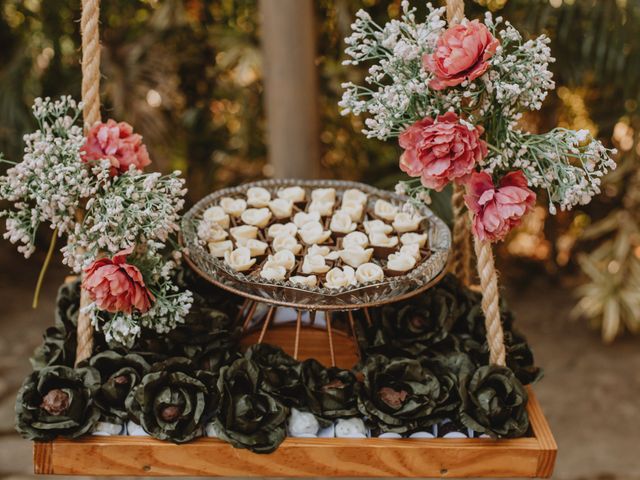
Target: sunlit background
x=188, y=74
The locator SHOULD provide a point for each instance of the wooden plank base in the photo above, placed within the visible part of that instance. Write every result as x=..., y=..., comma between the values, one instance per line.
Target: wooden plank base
x=300, y=457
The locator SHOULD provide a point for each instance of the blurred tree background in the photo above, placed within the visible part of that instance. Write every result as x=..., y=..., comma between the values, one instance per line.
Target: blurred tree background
x=188, y=75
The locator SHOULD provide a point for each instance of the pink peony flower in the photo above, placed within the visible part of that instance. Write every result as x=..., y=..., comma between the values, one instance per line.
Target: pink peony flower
x=462, y=53
x=117, y=143
x=116, y=286
x=440, y=151
x=498, y=210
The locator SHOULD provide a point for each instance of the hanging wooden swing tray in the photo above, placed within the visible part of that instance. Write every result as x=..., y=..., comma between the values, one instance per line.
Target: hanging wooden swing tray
x=307, y=457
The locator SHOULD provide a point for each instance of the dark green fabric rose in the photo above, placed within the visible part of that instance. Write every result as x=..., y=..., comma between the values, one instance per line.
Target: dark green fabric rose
x=57, y=401
x=59, y=341
x=120, y=373
x=520, y=358
x=173, y=400
x=401, y=395
x=495, y=403
x=248, y=416
x=281, y=373
x=331, y=392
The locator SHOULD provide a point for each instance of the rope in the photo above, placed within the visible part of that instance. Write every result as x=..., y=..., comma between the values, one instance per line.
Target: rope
x=490, y=301
x=89, y=25
x=461, y=255
x=90, y=61
x=455, y=11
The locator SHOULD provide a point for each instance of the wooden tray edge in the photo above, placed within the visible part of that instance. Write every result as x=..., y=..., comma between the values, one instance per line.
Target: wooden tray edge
x=299, y=457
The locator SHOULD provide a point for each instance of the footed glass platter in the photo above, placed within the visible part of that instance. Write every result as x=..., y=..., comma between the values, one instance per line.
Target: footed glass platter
x=378, y=208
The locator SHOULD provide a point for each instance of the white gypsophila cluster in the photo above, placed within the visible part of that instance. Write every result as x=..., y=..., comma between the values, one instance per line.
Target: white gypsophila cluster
x=133, y=209
x=569, y=165
x=52, y=181
x=395, y=94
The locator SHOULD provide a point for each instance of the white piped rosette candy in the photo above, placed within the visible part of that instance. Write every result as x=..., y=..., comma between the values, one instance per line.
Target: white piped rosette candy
x=258, y=197
x=369, y=272
x=239, y=259
x=340, y=277
x=258, y=217
x=233, y=206
x=294, y=194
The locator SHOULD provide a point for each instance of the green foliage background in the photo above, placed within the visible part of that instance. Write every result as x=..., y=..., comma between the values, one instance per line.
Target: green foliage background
x=188, y=75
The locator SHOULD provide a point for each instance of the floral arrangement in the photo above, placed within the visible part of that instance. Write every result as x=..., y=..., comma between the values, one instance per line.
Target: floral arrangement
x=423, y=373
x=118, y=220
x=454, y=96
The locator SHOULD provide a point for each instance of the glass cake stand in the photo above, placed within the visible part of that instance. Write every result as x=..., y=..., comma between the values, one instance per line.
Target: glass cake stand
x=315, y=304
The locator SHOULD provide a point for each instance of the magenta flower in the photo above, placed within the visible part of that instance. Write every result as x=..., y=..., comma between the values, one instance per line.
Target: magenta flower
x=116, y=286
x=441, y=151
x=117, y=143
x=497, y=210
x=462, y=53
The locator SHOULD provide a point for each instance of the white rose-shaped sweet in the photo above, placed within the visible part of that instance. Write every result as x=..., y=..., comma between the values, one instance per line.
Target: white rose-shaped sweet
x=278, y=229
x=307, y=281
x=239, y=259
x=314, y=264
x=302, y=218
x=405, y=222
x=400, y=262
x=295, y=194
x=313, y=233
x=258, y=217
x=340, y=277
x=341, y=223
x=211, y=232
x=350, y=428
x=281, y=207
x=369, y=272
x=323, y=208
x=286, y=242
x=377, y=226
x=354, y=195
x=354, y=210
x=355, y=255
x=379, y=239
x=412, y=249
x=216, y=215
x=273, y=271
x=286, y=258
x=324, y=195
x=385, y=210
x=233, y=206
x=410, y=238
x=258, y=197
x=244, y=232
x=355, y=239
x=256, y=247
x=318, y=250
x=218, y=249
x=302, y=424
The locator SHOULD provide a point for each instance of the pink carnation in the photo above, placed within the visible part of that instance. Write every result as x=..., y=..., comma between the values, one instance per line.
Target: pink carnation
x=462, y=53
x=440, y=151
x=116, y=286
x=117, y=143
x=498, y=210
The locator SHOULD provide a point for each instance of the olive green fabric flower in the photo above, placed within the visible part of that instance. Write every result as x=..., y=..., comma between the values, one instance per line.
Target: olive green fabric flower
x=173, y=400
x=401, y=395
x=520, y=358
x=57, y=401
x=120, y=373
x=495, y=403
x=331, y=392
x=248, y=416
x=281, y=373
